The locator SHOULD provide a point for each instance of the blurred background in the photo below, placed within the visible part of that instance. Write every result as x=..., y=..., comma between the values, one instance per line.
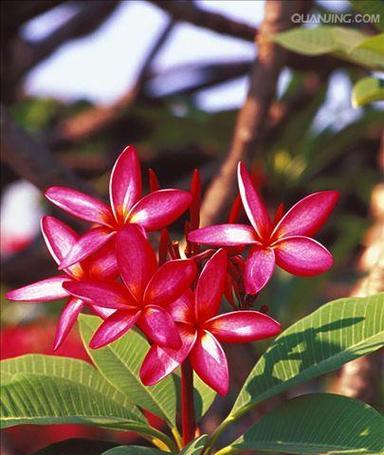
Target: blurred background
x=82, y=79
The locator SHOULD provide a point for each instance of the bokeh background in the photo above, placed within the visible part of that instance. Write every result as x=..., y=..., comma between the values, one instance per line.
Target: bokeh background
x=82, y=79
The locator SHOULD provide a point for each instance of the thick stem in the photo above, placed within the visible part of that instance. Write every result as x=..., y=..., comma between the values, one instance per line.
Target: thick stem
x=188, y=424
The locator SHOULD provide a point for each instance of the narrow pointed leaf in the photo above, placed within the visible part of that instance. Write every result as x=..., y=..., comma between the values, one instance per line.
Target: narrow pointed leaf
x=120, y=362
x=317, y=423
x=195, y=447
x=336, y=333
x=132, y=450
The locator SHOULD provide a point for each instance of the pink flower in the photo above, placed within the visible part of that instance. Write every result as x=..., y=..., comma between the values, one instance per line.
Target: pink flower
x=152, y=212
x=147, y=291
x=202, y=331
x=285, y=243
x=60, y=238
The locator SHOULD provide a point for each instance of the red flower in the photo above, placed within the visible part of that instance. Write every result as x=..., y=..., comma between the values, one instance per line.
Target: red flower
x=152, y=212
x=60, y=238
x=285, y=243
x=202, y=331
x=147, y=291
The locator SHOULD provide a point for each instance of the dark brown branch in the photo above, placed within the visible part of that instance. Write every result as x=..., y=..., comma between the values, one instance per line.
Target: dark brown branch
x=251, y=121
x=31, y=160
x=188, y=12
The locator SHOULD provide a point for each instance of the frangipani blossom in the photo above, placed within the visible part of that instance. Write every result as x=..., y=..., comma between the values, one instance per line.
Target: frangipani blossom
x=59, y=239
x=146, y=292
x=153, y=211
x=201, y=331
x=285, y=243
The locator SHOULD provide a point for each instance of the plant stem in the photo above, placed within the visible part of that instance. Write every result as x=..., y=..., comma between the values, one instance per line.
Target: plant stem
x=188, y=424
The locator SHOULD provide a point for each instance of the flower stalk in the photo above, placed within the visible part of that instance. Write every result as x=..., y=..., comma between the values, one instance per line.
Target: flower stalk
x=188, y=423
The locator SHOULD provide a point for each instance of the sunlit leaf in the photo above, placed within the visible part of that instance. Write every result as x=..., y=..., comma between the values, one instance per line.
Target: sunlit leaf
x=336, y=333
x=317, y=423
x=367, y=90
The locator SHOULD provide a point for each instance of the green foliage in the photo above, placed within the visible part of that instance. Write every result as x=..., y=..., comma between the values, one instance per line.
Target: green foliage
x=375, y=7
x=342, y=42
x=132, y=450
x=336, y=333
x=317, y=423
x=374, y=44
x=77, y=446
x=120, y=362
x=195, y=447
x=39, y=399
x=367, y=90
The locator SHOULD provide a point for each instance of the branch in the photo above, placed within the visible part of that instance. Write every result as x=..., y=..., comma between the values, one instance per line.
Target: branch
x=251, y=121
x=98, y=119
x=186, y=11
x=32, y=161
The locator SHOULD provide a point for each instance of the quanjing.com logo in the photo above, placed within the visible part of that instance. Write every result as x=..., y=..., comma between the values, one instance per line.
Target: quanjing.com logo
x=335, y=18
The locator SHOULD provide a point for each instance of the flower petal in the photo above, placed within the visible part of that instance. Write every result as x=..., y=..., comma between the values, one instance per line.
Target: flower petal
x=159, y=327
x=302, y=256
x=125, y=183
x=253, y=205
x=79, y=204
x=87, y=244
x=58, y=237
x=258, y=269
x=209, y=361
x=41, y=291
x=136, y=259
x=160, y=362
x=210, y=286
x=182, y=309
x=66, y=321
x=100, y=293
x=114, y=327
x=308, y=215
x=159, y=209
x=102, y=312
x=224, y=235
x=170, y=281
x=103, y=263
x=242, y=326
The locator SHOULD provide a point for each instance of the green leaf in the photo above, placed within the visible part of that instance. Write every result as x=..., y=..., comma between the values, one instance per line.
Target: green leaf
x=367, y=90
x=195, y=447
x=77, y=446
x=317, y=423
x=374, y=7
x=374, y=44
x=342, y=42
x=334, y=334
x=204, y=396
x=133, y=450
x=73, y=370
x=41, y=400
x=120, y=362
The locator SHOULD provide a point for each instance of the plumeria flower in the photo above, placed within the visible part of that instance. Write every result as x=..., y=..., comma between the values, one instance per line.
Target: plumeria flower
x=60, y=238
x=201, y=331
x=143, y=298
x=153, y=212
x=285, y=242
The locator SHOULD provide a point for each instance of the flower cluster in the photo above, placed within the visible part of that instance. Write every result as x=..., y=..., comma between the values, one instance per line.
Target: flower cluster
x=173, y=297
